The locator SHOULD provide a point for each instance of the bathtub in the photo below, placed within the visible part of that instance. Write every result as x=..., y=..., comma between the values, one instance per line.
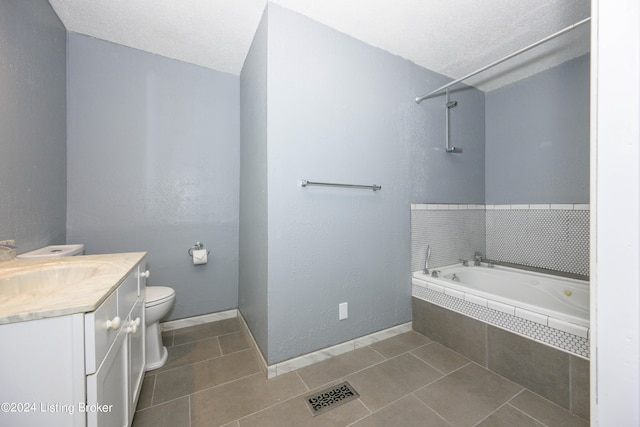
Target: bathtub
x=550, y=301
x=516, y=323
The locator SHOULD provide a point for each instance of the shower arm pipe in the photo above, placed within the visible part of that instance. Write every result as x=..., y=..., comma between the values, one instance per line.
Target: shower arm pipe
x=419, y=99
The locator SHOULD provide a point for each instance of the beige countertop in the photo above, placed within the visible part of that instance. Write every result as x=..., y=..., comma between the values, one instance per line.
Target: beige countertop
x=33, y=289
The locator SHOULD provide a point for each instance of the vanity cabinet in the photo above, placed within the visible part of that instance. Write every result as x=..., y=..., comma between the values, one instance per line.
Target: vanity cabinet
x=80, y=369
x=136, y=344
x=115, y=378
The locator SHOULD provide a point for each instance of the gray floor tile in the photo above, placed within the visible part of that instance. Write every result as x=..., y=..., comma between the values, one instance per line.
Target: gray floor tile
x=508, y=416
x=223, y=404
x=338, y=366
x=204, y=331
x=195, y=377
x=167, y=338
x=399, y=344
x=407, y=380
x=545, y=411
x=440, y=357
x=170, y=414
x=408, y=412
x=192, y=352
x=235, y=341
x=146, y=393
x=295, y=413
x=388, y=381
x=468, y=395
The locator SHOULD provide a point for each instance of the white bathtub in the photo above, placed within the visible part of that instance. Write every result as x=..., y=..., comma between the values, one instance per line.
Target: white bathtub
x=554, y=301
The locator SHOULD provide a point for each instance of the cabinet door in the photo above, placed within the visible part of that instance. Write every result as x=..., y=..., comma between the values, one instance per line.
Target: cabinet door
x=108, y=389
x=128, y=294
x=136, y=332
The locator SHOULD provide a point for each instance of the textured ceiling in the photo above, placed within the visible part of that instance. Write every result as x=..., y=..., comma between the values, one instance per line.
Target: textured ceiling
x=451, y=37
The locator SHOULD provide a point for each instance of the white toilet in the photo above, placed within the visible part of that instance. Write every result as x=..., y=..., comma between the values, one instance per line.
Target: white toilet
x=158, y=302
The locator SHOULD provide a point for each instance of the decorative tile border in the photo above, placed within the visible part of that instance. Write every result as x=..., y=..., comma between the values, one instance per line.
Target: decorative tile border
x=445, y=206
x=520, y=206
x=542, y=206
x=561, y=340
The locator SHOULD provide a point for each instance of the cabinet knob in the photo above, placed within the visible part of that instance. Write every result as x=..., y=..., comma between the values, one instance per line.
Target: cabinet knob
x=133, y=326
x=145, y=274
x=113, y=324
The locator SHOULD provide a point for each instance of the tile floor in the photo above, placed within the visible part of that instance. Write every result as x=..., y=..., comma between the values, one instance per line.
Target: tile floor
x=212, y=378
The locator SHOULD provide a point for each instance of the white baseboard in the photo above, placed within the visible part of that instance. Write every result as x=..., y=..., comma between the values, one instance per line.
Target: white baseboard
x=326, y=353
x=198, y=320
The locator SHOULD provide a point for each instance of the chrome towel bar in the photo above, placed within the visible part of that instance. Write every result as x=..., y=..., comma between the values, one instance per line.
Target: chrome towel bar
x=373, y=187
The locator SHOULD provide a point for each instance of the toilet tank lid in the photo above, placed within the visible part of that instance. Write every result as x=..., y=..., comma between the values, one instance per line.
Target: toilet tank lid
x=54, y=251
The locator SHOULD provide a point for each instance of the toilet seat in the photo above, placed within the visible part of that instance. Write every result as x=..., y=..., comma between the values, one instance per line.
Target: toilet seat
x=155, y=295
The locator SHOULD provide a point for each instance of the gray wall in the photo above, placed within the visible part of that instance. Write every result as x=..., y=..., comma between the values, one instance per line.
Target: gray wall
x=33, y=187
x=252, y=284
x=537, y=138
x=342, y=111
x=153, y=160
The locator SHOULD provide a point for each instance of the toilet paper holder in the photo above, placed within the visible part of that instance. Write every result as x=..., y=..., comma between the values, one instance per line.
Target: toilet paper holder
x=198, y=246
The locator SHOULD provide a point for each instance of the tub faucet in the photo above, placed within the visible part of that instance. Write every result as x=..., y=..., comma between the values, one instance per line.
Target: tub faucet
x=477, y=259
x=425, y=270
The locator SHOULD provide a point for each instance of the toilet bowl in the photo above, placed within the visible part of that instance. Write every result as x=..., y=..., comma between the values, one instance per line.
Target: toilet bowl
x=158, y=302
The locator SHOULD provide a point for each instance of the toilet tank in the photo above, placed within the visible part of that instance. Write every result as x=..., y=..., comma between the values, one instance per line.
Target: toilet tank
x=54, y=251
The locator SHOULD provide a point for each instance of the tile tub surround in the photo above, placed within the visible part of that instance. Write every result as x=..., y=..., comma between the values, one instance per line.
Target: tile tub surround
x=86, y=293
x=409, y=380
x=549, y=236
x=553, y=374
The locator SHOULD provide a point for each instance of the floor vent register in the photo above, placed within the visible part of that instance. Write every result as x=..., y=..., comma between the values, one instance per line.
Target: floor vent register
x=330, y=398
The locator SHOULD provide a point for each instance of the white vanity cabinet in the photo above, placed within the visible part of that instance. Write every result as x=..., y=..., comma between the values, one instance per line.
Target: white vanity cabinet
x=78, y=368
x=115, y=370
x=136, y=335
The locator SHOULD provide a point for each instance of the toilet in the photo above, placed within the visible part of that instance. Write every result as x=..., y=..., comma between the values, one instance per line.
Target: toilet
x=158, y=302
